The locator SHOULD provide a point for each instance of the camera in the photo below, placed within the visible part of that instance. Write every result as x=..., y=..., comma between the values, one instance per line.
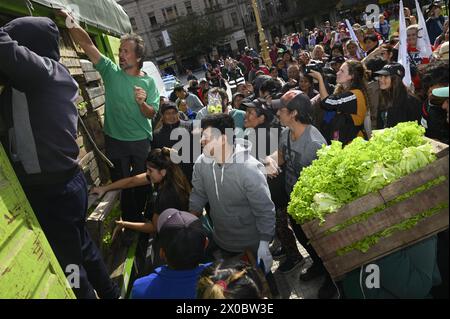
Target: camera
x=314, y=66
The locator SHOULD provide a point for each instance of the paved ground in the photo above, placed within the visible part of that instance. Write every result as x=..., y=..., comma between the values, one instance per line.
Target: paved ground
x=290, y=286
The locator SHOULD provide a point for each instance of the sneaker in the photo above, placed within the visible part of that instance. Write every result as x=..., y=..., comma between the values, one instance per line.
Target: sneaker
x=291, y=264
x=312, y=272
x=278, y=253
x=328, y=289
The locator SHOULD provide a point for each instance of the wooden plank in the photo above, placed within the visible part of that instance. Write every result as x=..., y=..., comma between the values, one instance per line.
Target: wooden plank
x=95, y=91
x=97, y=102
x=101, y=111
x=440, y=149
x=352, y=209
x=105, y=206
x=95, y=128
x=86, y=159
x=92, y=76
x=328, y=245
x=75, y=71
x=405, y=184
x=340, y=265
x=86, y=65
x=71, y=61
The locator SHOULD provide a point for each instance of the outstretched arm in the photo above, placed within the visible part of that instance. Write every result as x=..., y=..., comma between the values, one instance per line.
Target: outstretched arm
x=81, y=37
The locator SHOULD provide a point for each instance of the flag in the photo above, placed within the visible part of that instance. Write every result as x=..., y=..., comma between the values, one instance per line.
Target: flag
x=403, y=57
x=361, y=54
x=423, y=41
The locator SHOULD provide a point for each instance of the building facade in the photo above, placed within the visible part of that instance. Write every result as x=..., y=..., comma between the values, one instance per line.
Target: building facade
x=154, y=20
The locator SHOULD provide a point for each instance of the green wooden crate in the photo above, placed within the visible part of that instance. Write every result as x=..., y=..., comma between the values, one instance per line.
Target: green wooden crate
x=28, y=267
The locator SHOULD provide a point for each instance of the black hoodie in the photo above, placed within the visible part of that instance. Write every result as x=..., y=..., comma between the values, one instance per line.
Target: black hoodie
x=39, y=104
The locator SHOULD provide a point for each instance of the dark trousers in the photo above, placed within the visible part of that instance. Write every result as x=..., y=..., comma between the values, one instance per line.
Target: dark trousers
x=303, y=240
x=129, y=159
x=281, y=199
x=285, y=235
x=61, y=212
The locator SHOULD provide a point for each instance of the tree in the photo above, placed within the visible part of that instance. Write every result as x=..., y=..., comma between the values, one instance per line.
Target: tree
x=195, y=35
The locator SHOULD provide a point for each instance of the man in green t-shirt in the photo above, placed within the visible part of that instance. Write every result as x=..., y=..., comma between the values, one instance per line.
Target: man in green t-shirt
x=132, y=100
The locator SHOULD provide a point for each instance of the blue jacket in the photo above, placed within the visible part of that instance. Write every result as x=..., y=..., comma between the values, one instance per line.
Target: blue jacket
x=166, y=283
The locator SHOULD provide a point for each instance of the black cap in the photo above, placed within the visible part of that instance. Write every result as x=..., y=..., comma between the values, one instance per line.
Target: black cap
x=338, y=59
x=392, y=69
x=174, y=218
x=166, y=106
x=261, y=105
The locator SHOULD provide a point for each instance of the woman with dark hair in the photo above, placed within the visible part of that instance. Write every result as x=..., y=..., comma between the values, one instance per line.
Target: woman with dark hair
x=398, y=103
x=235, y=281
x=306, y=85
x=349, y=102
x=171, y=188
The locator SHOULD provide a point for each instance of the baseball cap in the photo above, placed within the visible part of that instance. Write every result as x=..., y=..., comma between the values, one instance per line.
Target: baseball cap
x=178, y=86
x=203, y=80
x=392, y=69
x=175, y=219
x=338, y=59
x=441, y=92
x=166, y=106
x=183, y=238
x=261, y=105
x=295, y=100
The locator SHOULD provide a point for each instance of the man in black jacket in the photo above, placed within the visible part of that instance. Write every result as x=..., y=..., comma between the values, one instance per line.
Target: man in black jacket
x=40, y=117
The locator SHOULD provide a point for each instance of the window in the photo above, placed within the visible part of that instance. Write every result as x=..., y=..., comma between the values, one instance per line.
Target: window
x=152, y=18
x=160, y=42
x=170, y=13
x=133, y=24
x=234, y=18
x=219, y=21
x=188, y=6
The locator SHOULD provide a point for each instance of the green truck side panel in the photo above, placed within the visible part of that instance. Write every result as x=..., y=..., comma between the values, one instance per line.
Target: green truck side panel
x=113, y=44
x=28, y=267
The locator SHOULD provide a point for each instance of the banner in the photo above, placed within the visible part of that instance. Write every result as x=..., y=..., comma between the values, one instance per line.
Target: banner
x=361, y=54
x=403, y=57
x=423, y=41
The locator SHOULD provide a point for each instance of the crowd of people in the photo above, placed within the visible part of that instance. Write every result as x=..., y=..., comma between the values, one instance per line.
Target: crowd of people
x=212, y=215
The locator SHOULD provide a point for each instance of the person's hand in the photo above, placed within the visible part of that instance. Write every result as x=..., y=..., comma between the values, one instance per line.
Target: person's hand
x=68, y=18
x=120, y=223
x=265, y=256
x=100, y=191
x=272, y=168
x=140, y=95
x=315, y=75
x=292, y=82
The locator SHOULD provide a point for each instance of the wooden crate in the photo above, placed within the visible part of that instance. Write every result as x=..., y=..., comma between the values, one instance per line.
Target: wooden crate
x=327, y=244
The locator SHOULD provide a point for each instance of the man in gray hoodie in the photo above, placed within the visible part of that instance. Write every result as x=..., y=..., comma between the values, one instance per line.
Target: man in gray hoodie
x=234, y=184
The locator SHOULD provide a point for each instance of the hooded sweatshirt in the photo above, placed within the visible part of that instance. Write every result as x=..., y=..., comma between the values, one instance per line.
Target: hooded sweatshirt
x=38, y=105
x=241, y=209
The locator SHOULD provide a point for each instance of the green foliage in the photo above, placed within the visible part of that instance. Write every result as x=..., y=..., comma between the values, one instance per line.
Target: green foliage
x=109, y=224
x=195, y=35
x=345, y=174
